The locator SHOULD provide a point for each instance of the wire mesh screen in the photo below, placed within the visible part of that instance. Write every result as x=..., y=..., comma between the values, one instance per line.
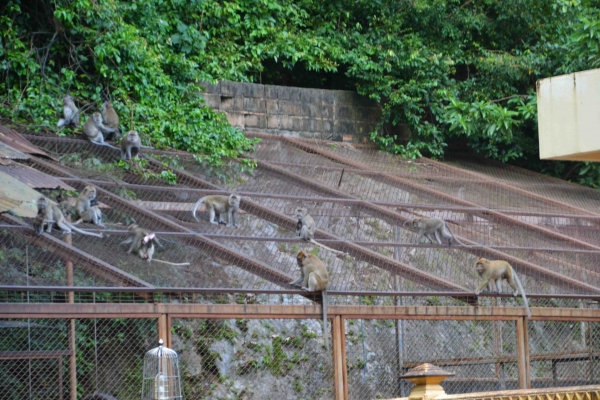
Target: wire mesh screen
x=34, y=356
x=253, y=358
x=360, y=199
x=482, y=354
x=110, y=355
x=564, y=353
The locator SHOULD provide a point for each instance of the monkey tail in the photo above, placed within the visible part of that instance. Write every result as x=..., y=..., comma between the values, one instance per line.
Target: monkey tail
x=99, y=235
x=327, y=248
x=170, y=263
x=202, y=200
x=406, y=222
x=518, y=281
x=453, y=235
x=107, y=145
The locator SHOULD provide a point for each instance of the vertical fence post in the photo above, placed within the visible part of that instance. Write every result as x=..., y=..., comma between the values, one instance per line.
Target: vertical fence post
x=343, y=342
x=527, y=352
x=523, y=353
x=339, y=359
x=71, y=333
x=169, y=339
x=162, y=328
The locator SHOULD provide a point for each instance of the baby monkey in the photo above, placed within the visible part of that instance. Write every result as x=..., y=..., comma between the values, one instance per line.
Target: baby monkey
x=147, y=251
x=313, y=278
x=433, y=228
x=218, y=204
x=306, y=228
x=493, y=272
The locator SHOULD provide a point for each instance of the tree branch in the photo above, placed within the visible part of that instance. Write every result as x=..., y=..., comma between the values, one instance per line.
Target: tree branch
x=522, y=96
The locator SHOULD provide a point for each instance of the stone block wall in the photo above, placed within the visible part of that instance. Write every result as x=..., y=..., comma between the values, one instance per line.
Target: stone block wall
x=308, y=113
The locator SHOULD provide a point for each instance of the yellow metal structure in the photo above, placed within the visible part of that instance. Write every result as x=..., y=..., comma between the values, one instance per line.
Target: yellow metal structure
x=569, y=116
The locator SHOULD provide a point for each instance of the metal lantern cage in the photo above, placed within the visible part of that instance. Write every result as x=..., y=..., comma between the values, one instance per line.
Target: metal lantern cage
x=161, y=374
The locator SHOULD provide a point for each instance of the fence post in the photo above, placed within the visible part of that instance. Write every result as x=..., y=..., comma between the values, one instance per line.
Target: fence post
x=169, y=339
x=523, y=353
x=71, y=332
x=339, y=359
x=527, y=352
x=162, y=328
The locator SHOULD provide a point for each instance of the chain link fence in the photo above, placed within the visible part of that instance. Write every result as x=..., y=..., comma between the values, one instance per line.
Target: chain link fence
x=361, y=200
x=564, y=353
x=35, y=354
x=253, y=358
x=256, y=358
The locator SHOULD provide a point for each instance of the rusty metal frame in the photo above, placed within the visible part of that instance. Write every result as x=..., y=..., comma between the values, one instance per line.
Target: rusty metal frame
x=348, y=202
x=283, y=220
x=334, y=157
x=407, y=184
x=198, y=290
x=519, y=264
x=380, y=211
x=153, y=310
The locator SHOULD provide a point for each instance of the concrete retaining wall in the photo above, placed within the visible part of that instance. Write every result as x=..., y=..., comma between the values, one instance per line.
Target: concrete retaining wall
x=308, y=113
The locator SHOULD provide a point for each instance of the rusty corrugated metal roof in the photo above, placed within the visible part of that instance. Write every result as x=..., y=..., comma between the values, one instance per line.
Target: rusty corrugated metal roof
x=8, y=153
x=15, y=140
x=7, y=204
x=33, y=178
x=13, y=189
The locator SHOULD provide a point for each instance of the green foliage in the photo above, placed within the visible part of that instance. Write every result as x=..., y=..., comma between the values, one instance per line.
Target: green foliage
x=460, y=74
x=133, y=53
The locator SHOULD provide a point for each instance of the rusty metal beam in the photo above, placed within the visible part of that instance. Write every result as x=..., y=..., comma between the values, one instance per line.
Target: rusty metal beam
x=347, y=202
x=86, y=261
x=334, y=157
x=196, y=290
x=137, y=310
x=407, y=184
x=519, y=264
x=526, y=193
x=342, y=242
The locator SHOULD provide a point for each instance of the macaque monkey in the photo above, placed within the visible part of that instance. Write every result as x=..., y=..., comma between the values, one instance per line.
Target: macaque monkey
x=95, y=131
x=433, y=227
x=306, y=227
x=136, y=235
x=86, y=207
x=130, y=145
x=313, y=278
x=493, y=272
x=49, y=214
x=217, y=204
x=147, y=251
x=70, y=113
x=109, y=115
x=143, y=241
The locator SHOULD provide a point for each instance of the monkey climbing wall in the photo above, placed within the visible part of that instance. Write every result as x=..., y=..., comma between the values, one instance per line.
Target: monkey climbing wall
x=361, y=199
